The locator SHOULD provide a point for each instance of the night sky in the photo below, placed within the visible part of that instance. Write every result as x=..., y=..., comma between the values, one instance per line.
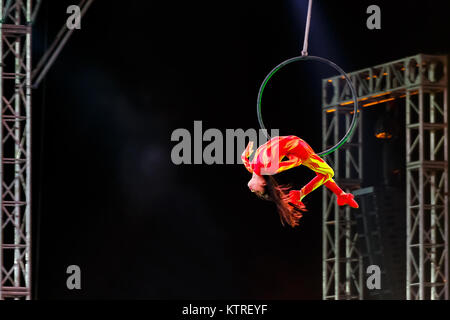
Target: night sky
x=106, y=195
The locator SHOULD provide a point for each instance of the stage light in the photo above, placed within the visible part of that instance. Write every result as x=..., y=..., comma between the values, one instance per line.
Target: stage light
x=385, y=125
x=377, y=102
x=383, y=135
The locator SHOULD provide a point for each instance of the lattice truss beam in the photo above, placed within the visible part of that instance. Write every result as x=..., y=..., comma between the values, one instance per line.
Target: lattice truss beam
x=410, y=78
x=15, y=152
x=342, y=262
x=427, y=193
x=385, y=82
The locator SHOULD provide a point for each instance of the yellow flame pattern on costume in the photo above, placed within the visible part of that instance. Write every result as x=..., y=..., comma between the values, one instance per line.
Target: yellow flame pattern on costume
x=268, y=157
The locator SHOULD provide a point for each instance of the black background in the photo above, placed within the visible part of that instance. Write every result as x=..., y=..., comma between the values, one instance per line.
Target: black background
x=106, y=195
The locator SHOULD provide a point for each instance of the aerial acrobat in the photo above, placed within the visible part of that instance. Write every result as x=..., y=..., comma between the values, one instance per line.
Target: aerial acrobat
x=270, y=157
x=269, y=160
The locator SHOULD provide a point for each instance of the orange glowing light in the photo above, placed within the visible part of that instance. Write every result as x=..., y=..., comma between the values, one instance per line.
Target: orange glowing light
x=377, y=102
x=351, y=101
x=383, y=135
x=411, y=94
x=331, y=110
x=381, y=94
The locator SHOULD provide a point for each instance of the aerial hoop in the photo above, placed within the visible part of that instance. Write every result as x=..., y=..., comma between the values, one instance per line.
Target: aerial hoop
x=305, y=56
x=340, y=71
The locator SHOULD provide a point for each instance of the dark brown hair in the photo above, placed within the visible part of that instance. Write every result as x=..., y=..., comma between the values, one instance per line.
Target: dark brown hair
x=279, y=194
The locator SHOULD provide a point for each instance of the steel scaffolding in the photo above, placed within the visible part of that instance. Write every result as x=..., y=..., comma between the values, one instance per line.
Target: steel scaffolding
x=16, y=19
x=342, y=263
x=15, y=151
x=422, y=81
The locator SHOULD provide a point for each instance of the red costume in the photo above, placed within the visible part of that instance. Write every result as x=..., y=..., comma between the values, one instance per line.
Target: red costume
x=269, y=160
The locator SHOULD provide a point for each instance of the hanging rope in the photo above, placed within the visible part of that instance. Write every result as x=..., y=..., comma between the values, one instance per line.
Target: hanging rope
x=308, y=20
x=305, y=57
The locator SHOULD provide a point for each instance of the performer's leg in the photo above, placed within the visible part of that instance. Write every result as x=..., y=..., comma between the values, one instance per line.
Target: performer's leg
x=317, y=182
x=324, y=176
x=296, y=196
x=330, y=184
x=312, y=185
x=342, y=197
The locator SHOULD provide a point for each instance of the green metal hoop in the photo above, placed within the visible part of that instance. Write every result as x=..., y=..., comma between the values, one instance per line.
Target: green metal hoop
x=341, y=72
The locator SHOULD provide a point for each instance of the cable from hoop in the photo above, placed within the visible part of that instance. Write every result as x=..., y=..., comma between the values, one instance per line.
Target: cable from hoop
x=308, y=22
x=338, y=69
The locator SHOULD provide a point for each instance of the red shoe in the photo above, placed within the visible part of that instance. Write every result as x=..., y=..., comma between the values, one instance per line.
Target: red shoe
x=347, y=198
x=294, y=200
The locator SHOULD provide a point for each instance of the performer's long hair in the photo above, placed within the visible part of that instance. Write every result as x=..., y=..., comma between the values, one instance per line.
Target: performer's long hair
x=279, y=194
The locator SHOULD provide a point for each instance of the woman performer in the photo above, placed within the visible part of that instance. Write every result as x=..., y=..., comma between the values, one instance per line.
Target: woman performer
x=270, y=159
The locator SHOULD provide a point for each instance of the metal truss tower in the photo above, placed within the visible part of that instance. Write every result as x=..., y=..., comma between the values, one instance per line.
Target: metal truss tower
x=422, y=82
x=342, y=263
x=15, y=151
x=17, y=80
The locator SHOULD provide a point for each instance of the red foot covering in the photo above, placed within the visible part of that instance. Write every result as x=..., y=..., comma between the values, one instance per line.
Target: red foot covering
x=347, y=198
x=295, y=200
